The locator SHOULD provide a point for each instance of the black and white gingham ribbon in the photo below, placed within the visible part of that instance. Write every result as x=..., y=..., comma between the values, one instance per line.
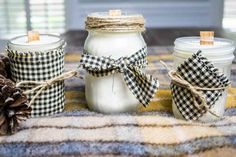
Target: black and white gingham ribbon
x=199, y=72
x=141, y=85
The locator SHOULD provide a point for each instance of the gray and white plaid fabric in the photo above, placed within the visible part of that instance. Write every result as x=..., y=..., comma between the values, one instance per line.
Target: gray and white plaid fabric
x=141, y=85
x=40, y=66
x=199, y=72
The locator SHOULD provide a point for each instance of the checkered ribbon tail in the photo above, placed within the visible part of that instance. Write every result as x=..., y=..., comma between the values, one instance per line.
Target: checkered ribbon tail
x=141, y=85
x=199, y=72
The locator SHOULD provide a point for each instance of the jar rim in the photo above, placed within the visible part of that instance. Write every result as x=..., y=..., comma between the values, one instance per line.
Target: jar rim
x=187, y=45
x=194, y=43
x=10, y=42
x=36, y=47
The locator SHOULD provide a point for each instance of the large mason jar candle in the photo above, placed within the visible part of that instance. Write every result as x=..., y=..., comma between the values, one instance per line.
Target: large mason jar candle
x=220, y=54
x=115, y=35
x=39, y=60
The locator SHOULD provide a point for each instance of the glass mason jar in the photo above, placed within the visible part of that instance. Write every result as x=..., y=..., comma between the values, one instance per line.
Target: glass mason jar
x=220, y=55
x=39, y=60
x=110, y=94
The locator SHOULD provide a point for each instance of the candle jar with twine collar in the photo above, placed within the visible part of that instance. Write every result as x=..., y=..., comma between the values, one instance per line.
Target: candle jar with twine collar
x=39, y=61
x=113, y=37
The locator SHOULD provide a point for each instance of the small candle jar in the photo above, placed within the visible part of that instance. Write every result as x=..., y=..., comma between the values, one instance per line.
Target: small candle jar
x=39, y=60
x=220, y=54
x=114, y=36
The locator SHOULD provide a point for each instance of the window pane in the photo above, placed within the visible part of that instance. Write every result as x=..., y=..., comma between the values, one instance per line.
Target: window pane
x=229, y=21
x=45, y=16
x=12, y=17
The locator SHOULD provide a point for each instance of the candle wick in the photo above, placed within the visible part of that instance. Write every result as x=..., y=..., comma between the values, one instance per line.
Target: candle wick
x=33, y=36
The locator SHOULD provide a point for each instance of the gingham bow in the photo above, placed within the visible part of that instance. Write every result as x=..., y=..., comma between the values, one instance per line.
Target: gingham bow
x=198, y=74
x=141, y=85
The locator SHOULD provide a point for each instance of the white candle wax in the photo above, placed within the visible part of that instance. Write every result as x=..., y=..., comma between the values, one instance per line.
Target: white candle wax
x=110, y=94
x=46, y=42
x=220, y=55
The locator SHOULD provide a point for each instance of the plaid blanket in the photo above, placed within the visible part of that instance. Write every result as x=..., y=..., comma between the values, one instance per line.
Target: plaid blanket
x=151, y=131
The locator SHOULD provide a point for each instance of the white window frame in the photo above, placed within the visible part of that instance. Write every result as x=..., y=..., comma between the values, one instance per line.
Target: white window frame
x=76, y=11
x=28, y=18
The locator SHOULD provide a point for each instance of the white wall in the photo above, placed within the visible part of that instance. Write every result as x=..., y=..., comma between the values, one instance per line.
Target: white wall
x=158, y=13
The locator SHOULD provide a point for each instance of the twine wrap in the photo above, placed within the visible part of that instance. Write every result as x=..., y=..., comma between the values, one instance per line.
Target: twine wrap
x=123, y=23
x=39, y=87
x=196, y=86
x=39, y=67
x=199, y=100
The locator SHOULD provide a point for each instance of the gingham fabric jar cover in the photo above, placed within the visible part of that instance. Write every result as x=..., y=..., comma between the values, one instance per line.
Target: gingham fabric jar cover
x=40, y=66
x=199, y=72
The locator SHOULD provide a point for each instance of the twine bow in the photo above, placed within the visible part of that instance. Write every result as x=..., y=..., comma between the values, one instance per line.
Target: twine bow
x=40, y=86
x=195, y=91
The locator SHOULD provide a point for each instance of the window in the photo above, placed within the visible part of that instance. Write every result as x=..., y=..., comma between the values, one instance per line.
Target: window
x=229, y=21
x=19, y=16
x=12, y=17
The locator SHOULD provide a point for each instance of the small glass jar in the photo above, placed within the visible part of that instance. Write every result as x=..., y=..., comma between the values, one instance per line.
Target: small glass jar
x=220, y=55
x=39, y=60
x=110, y=94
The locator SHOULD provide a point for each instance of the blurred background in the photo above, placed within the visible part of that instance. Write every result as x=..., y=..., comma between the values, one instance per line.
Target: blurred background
x=66, y=16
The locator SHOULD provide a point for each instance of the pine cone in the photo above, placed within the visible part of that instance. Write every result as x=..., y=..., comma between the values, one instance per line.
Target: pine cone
x=13, y=106
x=5, y=66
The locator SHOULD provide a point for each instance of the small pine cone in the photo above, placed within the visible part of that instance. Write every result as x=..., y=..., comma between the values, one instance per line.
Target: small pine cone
x=13, y=106
x=5, y=66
